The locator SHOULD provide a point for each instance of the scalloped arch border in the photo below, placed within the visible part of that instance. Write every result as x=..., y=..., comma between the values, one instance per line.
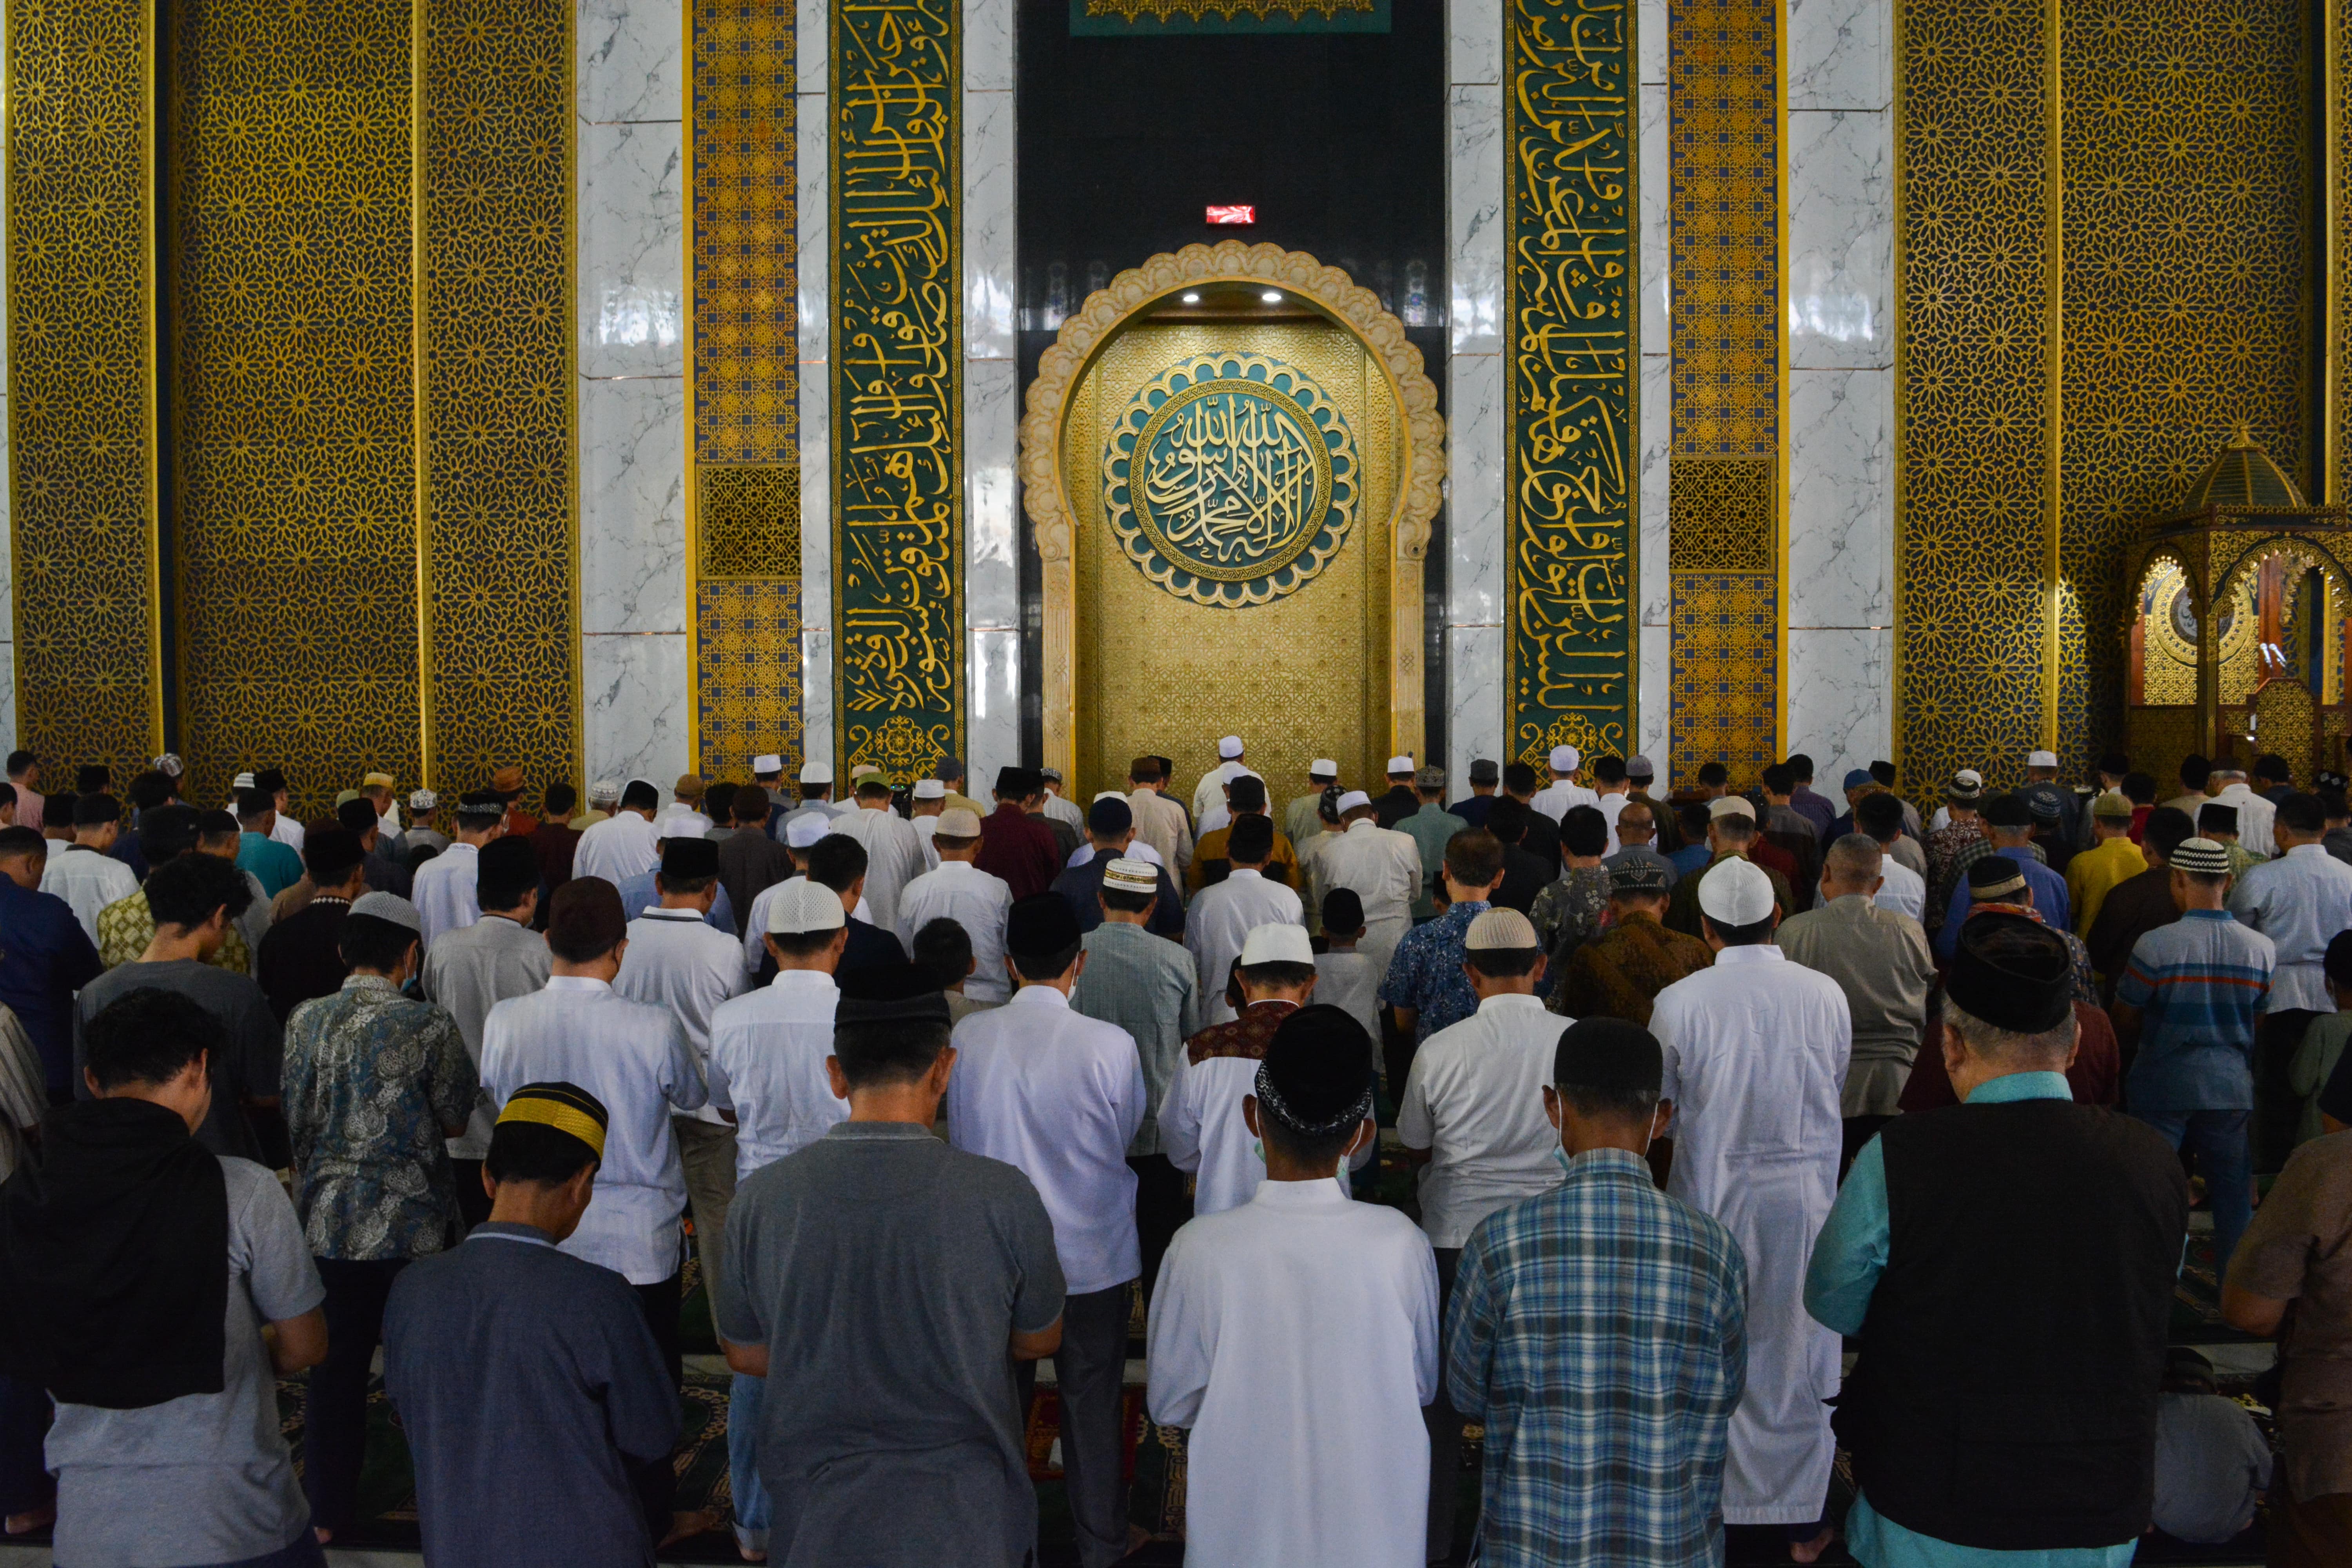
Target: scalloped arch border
x=1045, y=500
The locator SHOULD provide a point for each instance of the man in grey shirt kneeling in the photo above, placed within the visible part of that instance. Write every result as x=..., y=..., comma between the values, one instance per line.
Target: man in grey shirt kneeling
x=877, y=1280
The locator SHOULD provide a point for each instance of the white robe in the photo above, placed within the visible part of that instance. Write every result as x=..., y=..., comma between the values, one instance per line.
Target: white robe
x=1211, y=790
x=1298, y=1337
x=1756, y=1055
x=620, y=847
x=1382, y=866
x=894, y=857
x=1220, y=921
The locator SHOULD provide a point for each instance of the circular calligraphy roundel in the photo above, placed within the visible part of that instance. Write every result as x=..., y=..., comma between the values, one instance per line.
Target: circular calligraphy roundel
x=1230, y=480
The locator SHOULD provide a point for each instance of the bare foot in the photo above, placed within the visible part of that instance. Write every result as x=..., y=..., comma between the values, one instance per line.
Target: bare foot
x=1811, y=1551
x=32, y=1518
x=323, y=1534
x=693, y=1522
x=751, y=1556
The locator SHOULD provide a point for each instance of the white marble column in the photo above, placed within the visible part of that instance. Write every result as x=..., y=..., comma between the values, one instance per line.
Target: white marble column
x=1478, y=422
x=991, y=414
x=634, y=624
x=812, y=148
x=1840, y=383
x=1653, y=703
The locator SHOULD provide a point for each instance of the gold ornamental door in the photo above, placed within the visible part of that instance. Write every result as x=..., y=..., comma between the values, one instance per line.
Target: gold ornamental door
x=1234, y=551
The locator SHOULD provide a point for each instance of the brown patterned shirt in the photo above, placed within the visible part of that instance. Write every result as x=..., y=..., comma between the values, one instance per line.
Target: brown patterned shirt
x=1247, y=1035
x=1619, y=974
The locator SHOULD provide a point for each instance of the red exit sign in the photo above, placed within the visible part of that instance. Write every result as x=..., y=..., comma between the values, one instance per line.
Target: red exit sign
x=1238, y=215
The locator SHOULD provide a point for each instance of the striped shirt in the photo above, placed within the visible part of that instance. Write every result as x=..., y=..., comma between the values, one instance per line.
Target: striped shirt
x=2200, y=981
x=1599, y=1332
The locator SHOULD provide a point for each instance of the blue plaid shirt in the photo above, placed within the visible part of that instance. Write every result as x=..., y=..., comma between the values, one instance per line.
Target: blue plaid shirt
x=1426, y=972
x=1601, y=1332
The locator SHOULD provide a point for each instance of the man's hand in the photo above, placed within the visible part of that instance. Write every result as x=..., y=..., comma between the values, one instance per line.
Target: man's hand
x=2241, y=1309
x=296, y=1344
x=1039, y=1345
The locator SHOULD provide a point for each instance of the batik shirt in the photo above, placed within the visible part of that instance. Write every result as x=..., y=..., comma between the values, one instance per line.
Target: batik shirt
x=1568, y=913
x=126, y=926
x=1426, y=975
x=1619, y=974
x=372, y=1079
x=1579, y=1318
x=1944, y=862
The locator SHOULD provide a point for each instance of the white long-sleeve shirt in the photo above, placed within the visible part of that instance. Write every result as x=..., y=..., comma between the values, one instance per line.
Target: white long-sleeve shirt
x=623, y=846
x=1220, y=921
x=677, y=962
x=471, y=971
x=88, y=879
x=635, y=1059
x=977, y=900
x=1059, y=1096
x=2300, y=902
x=1298, y=1337
x=2255, y=818
x=444, y=891
x=1756, y=1055
x=894, y=857
x=768, y=1051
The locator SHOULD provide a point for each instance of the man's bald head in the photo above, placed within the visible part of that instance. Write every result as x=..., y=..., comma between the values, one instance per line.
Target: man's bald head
x=1852, y=866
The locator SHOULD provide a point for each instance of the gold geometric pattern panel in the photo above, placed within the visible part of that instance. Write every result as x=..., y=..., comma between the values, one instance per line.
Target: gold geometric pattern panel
x=745, y=269
x=497, y=321
x=1972, y=393
x=2187, y=272
x=749, y=690
x=2339, y=283
x=294, y=531
x=1725, y=662
x=81, y=389
x=749, y=519
x=1723, y=140
x=1722, y=512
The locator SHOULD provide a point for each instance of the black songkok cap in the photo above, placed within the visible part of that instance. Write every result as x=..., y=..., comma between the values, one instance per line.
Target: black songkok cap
x=1990, y=876
x=1109, y=817
x=892, y=992
x=360, y=816
x=584, y=917
x=2013, y=973
x=2007, y=811
x=1040, y=926
x=269, y=781
x=1343, y=910
x=92, y=778
x=508, y=861
x=1609, y=1055
x=1316, y=1078
x=1252, y=838
x=2223, y=818
x=1883, y=772
x=1019, y=784
x=684, y=859
x=481, y=805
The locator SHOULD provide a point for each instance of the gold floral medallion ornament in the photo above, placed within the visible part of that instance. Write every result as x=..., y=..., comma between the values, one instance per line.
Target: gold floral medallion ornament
x=1230, y=480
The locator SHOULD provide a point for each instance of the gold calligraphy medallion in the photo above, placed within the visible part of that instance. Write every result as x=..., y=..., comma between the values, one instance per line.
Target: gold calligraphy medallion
x=1230, y=480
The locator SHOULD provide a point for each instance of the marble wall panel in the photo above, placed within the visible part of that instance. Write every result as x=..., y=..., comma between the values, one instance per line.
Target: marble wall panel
x=1474, y=726
x=988, y=219
x=991, y=400
x=1656, y=305
x=1841, y=240
x=1657, y=710
x=1475, y=490
x=1841, y=702
x=1657, y=447
x=992, y=731
x=635, y=690
x=1474, y=41
x=1474, y=203
x=809, y=61
x=1841, y=498
x=1841, y=54
x=816, y=408
x=632, y=505
x=631, y=298
x=628, y=60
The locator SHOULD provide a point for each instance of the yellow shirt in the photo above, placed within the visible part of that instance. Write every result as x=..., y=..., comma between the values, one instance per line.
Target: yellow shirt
x=2097, y=871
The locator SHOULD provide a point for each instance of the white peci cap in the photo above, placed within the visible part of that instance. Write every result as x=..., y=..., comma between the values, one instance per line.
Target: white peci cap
x=802, y=831
x=1400, y=764
x=1282, y=943
x=1730, y=806
x=959, y=822
x=1131, y=876
x=1229, y=747
x=816, y=772
x=802, y=906
x=1322, y=768
x=1735, y=893
x=242, y=781
x=2041, y=759
x=1499, y=928
x=1566, y=759
x=930, y=789
x=1352, y=799
x=422, y=800
x=767, y=763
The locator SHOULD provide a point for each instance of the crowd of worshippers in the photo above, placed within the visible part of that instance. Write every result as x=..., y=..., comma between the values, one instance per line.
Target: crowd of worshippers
x=1698, y=1091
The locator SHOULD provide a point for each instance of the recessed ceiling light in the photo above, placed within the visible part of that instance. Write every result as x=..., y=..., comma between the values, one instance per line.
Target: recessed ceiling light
x=1192, y=299
x=1272, y=296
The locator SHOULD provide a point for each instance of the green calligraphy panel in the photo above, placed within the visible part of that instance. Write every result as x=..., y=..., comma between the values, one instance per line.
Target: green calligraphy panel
x=897, y=383
x=1572, y=369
